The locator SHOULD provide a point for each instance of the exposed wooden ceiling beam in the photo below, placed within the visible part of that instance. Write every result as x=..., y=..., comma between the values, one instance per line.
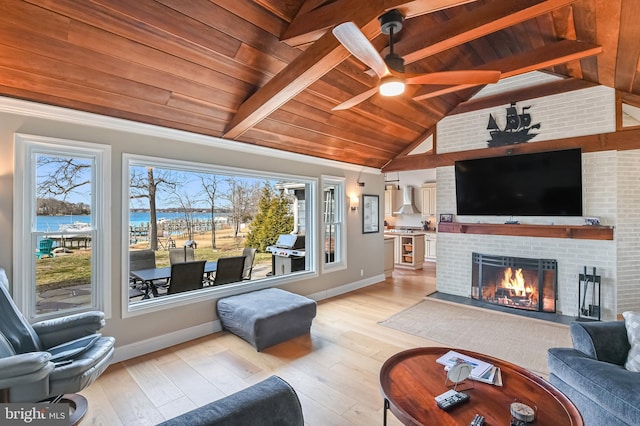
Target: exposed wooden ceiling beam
x=321, y=56
x=282, y=9
x=486, y=19
x=312, y=64
x=310, y=24
x=539, y=91
x=627, y=64
x=547, y=89
x=423, y=137
x=536, y=59
x=629, y=98
x=629, y=139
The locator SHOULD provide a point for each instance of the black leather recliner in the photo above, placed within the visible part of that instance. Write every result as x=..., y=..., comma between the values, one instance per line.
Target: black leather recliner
x=50, y=358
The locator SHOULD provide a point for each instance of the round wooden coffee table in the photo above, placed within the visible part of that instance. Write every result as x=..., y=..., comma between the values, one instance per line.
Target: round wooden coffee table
x=410, y=381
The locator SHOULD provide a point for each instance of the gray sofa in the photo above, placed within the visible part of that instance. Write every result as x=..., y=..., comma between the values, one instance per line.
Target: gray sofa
x=271, y=402
x=593, y=376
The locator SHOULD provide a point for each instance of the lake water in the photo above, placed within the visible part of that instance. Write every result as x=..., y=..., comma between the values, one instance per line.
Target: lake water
x=52, y=223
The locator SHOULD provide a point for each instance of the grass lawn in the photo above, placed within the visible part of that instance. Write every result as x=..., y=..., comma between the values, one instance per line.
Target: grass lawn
x=74, y=268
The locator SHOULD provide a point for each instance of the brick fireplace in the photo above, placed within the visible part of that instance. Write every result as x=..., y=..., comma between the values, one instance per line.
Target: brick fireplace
x=455, y=269
x=515, y=282
x=569, y=248
x=609, y=192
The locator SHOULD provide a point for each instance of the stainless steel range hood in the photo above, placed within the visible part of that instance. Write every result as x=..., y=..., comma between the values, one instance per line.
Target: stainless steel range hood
x=407, y=202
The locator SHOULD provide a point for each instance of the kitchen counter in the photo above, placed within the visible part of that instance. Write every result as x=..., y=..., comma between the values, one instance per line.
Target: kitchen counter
x=391, y=233
x=389, y=259
x=408, y=250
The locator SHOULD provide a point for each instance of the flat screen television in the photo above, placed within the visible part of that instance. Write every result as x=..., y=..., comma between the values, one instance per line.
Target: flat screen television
x=539, y=184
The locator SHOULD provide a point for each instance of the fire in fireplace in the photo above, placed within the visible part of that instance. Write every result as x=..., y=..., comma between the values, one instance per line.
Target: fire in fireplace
x=515, y=282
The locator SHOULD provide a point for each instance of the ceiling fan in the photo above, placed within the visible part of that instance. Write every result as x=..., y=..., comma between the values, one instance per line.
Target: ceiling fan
x=390, y=70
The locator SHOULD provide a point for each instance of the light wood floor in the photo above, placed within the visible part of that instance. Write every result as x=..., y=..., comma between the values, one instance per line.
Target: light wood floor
x=334, y=370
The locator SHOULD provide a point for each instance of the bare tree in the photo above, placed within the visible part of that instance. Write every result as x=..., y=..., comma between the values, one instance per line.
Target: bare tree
x=64, y=176
x=186, y=203
x=210, y=189
x=147, y=186
x=243, y=198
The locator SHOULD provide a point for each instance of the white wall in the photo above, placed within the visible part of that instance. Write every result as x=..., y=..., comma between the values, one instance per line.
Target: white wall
x=609, y=192
x=364, y=251
x=627, y=231
x=578, y=113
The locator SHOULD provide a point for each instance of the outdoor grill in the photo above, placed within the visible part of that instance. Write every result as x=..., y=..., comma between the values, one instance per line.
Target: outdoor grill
x=287, y=255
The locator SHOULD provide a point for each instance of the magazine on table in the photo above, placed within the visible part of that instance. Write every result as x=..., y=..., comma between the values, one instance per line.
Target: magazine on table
x=493, y=376
x=482, y=371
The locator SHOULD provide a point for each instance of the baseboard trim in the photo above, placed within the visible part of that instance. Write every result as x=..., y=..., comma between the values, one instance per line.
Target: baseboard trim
x=337, y=291
x=123, y=353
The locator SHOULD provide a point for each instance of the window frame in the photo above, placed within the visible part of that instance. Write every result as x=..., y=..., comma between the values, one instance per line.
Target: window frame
x=340, y=198
x=25, y=148
x=212, y=293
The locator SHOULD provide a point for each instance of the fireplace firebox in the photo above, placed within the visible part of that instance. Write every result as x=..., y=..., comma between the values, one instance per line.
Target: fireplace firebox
x=515, y=282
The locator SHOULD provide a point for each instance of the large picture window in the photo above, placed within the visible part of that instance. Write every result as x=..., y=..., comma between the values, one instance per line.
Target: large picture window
x=62, y=226
x=197, y=229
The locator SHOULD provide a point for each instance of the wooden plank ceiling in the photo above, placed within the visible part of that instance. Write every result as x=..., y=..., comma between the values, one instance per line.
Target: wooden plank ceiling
x=268, y=72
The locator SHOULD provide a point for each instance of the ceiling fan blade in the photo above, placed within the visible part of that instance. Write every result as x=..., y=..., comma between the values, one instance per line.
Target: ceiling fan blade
x=443, y=90
x=350, y=36
x=454, y=77
x=356, y=100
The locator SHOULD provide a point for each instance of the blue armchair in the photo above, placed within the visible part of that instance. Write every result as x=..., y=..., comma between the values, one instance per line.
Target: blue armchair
x=50, y=359
x=593, y=376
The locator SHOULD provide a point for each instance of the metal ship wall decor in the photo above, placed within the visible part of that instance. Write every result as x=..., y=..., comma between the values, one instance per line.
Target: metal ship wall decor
x=515, y=131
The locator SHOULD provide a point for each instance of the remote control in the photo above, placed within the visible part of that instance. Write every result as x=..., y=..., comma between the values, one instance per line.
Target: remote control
x=450, y=399
x=478, y=420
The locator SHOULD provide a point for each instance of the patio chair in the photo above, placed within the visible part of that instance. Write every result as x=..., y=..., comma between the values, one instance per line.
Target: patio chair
x=186, y=276
x=45, y=248
x=142, y=259
x=229, y=270
x=50, y=360
x=181, y=255
x=249, y=254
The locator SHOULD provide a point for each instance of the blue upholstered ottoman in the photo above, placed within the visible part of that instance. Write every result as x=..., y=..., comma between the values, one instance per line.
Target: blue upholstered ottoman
x=267, y=317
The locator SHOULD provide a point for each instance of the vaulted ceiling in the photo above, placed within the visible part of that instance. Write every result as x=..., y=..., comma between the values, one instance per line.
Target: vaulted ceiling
x=269, y=72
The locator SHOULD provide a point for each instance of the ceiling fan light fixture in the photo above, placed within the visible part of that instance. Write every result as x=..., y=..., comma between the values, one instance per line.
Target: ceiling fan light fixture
x=391, y=86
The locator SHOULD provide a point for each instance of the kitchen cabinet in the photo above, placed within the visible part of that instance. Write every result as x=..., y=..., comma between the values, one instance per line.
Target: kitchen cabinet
x=389, y=201
x=397, y=253
x=389, y=257
x=410, y=251
x=430, y=246
x=428, y=199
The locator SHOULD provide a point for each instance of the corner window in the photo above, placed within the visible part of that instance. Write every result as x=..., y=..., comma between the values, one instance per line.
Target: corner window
x=61, y=226
x=181, y=212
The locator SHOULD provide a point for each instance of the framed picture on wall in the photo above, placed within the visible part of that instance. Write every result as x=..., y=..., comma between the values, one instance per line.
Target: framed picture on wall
x=446, y=217
x=370, y=214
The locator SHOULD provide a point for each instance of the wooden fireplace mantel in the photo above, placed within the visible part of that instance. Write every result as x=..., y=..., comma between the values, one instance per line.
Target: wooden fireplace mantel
x=521, y=230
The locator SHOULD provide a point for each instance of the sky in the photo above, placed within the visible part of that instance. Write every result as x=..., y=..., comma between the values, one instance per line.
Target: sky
x=190, y=188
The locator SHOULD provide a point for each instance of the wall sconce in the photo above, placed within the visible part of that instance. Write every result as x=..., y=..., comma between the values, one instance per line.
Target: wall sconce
x=354, y=202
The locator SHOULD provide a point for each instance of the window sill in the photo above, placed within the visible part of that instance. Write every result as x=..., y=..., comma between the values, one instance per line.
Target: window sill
x=207, y=294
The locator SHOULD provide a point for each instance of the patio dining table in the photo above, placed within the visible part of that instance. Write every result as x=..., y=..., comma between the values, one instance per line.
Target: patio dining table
x=149, y=276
